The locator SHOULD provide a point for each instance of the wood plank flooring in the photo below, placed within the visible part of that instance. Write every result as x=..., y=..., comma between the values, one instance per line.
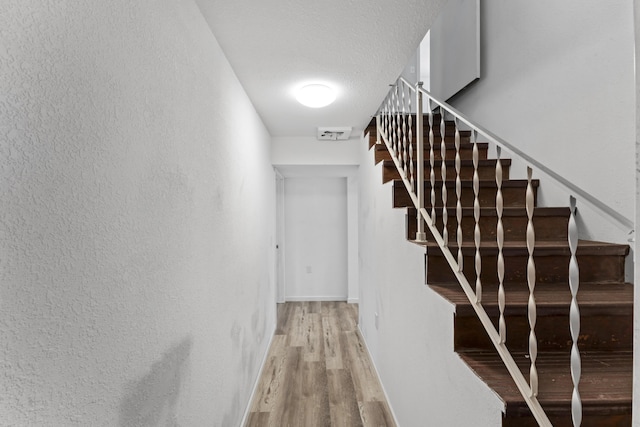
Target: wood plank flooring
x=318, y=372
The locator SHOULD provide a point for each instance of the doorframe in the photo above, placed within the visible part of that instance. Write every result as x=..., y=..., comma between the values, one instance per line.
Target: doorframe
x=280, y=239
x=350, y=172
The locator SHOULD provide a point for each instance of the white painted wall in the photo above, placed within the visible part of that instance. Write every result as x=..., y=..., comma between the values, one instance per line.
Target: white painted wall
x=310, y=151
x=454, y=48
x=411, y=72
x=315, y=210
x=558, y=83
x=425, y=61
x=412, y=345
x=137, y=227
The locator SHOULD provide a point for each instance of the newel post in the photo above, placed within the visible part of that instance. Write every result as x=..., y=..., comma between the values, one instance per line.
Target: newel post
x=420, y=235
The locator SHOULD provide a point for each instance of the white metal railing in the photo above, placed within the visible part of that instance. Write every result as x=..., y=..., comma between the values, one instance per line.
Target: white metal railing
x=395, y=124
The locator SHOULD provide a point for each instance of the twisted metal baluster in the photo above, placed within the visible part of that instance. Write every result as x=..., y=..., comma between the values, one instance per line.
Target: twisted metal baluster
x=398, y=124
x=383, y=117
x=392, y=132
x=404, y=156
x=411, y=170
x=443, y=174
x=390, y=119
x=458, y=197
x=387, y=119
x=394, y=123
x=502, y=325
x=574, y=316
x=432, y=161
x=391, y=135
x=476, y=216
x=531, y=281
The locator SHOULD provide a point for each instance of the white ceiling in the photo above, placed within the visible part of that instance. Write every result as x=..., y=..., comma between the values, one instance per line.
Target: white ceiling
x=358, y=47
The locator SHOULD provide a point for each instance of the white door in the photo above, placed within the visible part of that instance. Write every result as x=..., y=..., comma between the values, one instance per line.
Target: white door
x=315, y=212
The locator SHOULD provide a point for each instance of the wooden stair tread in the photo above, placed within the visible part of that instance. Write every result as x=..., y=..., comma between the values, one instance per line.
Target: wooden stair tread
x=547, y=295
x=486, y=169
x=449, y=127
x=466, y=148
x=437, y=121
x=550, y=223
x=507, y=211
x=451, y=162
x=450, y=145
x=465, y=183
x=542, y=248
x=605, y=385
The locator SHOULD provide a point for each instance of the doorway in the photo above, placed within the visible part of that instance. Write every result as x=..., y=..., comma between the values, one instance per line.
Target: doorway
x=315, y=239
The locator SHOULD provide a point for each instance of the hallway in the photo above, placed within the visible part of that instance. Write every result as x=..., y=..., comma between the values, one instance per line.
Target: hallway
x=318, y=371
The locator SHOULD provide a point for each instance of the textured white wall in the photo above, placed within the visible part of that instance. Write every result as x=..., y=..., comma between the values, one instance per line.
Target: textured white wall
x=558, y=83
x=315, y=211
x=136, y=228
x=454, y=47
x=412, y=346
x=310, y=151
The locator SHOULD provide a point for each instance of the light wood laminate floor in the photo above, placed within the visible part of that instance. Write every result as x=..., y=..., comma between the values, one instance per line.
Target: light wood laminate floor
x=318, y=372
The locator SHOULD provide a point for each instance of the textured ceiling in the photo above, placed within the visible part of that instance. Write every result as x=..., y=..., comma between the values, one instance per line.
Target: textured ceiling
x=357, y=46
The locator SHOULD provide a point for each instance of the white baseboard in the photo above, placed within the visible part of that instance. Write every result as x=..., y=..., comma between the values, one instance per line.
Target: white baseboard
x=247, y=411
x=375, y=368
x=316, y=298
x=353, y=300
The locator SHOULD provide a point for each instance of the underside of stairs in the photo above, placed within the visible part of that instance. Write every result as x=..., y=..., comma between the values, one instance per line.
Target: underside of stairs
x=605, y=299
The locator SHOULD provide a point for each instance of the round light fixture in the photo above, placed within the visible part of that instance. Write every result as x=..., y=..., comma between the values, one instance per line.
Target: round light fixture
x=316, y=95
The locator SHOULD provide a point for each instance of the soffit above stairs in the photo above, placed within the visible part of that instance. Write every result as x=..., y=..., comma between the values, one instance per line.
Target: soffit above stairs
x=359, y=46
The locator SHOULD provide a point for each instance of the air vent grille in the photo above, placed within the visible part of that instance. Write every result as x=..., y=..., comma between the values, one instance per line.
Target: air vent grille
x=334, y=133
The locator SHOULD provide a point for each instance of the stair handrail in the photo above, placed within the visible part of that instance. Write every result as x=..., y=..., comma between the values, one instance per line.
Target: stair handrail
x=571, y=188
x=394, y=129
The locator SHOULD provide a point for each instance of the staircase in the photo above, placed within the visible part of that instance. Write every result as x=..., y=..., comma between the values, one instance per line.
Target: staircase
x=606, y=301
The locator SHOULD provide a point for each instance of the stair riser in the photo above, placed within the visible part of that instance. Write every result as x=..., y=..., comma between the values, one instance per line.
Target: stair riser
x=449, y=136
x=450, y=130
x=613, y=331
x=373, y=138
x=436, y=117
x=549, y=269
x=466, y=173
x=547, y=228
x=466, y=153
x=436, y=120
x=512, y=196
x=449, y=126
x=525, y=419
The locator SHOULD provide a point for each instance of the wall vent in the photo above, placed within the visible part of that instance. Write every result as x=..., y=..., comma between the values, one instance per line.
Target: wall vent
x=334, y=133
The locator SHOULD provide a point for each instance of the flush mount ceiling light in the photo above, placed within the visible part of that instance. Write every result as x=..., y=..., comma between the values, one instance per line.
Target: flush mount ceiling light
x=316, y=95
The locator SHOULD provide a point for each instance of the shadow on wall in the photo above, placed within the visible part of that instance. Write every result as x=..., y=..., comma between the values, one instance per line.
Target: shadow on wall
x=152, y=400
